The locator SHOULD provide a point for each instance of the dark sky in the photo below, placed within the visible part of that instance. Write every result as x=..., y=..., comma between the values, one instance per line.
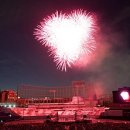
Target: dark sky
x=24, y=61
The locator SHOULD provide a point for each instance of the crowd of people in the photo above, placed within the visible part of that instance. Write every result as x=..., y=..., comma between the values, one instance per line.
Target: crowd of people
x=68, y=126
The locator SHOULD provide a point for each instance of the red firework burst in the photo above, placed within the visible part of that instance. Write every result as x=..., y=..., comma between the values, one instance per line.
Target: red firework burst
x=69, y=36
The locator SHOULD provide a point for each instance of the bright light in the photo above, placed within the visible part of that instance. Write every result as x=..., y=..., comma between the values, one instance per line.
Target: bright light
x=125, y=95
x=14, y=105
x=10, y=115
x=9, y=106
x=69, y=37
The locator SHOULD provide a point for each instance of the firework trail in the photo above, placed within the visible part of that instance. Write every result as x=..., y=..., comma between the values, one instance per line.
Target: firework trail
x=68, y=36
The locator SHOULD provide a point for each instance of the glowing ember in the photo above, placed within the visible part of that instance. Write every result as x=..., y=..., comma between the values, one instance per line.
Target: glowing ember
x=68, y=36
x=125, y=95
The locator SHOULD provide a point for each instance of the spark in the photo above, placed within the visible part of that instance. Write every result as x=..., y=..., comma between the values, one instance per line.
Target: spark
x=68, y=36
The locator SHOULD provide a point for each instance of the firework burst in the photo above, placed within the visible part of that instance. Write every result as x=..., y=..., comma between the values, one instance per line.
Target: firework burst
x=68, y=36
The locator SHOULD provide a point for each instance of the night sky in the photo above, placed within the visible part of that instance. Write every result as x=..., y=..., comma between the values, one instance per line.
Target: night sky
x=23, y=60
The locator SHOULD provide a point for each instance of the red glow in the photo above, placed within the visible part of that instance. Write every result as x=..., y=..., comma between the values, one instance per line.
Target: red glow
x=125, y=95
x=69, y=37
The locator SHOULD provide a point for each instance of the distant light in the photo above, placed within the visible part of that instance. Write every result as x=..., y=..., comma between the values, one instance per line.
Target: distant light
x=125, y=95
x=14, y=105
x=107, y=108
x=5, y=105
x=9, y=106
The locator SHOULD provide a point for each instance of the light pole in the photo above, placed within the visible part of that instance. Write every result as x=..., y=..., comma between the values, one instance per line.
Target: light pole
x=54, y=92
